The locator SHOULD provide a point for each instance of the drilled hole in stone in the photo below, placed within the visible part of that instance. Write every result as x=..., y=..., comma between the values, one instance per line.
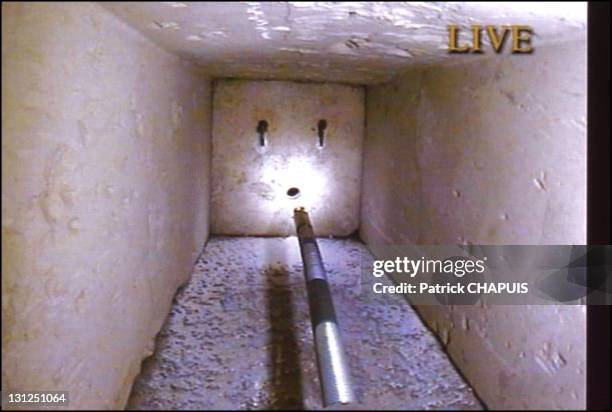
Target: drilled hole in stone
x=293, y=193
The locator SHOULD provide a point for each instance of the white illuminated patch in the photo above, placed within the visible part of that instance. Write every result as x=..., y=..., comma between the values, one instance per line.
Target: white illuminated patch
x=300, y=173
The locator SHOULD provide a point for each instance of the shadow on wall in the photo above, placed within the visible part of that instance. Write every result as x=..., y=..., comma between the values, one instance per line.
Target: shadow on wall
x=283, y=344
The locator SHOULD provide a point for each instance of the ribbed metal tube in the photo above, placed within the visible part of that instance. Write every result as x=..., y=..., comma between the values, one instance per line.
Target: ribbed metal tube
x=333, y=368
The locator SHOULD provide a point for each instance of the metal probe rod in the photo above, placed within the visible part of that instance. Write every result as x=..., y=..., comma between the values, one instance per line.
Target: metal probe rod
x=333, y=369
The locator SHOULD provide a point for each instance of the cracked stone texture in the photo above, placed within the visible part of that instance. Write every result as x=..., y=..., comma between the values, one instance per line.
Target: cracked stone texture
x=349, y=42
x=239, y=336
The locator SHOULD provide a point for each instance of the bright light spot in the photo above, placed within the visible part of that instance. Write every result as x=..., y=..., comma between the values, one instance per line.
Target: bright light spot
x=295, y=172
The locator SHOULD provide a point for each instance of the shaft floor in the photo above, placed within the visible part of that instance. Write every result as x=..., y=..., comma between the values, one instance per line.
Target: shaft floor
x=239, y=336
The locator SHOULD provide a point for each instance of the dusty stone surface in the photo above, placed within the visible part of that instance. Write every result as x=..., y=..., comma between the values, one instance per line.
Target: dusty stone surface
x=239, y=336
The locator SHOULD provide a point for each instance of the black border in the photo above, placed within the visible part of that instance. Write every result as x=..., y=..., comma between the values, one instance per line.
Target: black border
x=598, y=195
